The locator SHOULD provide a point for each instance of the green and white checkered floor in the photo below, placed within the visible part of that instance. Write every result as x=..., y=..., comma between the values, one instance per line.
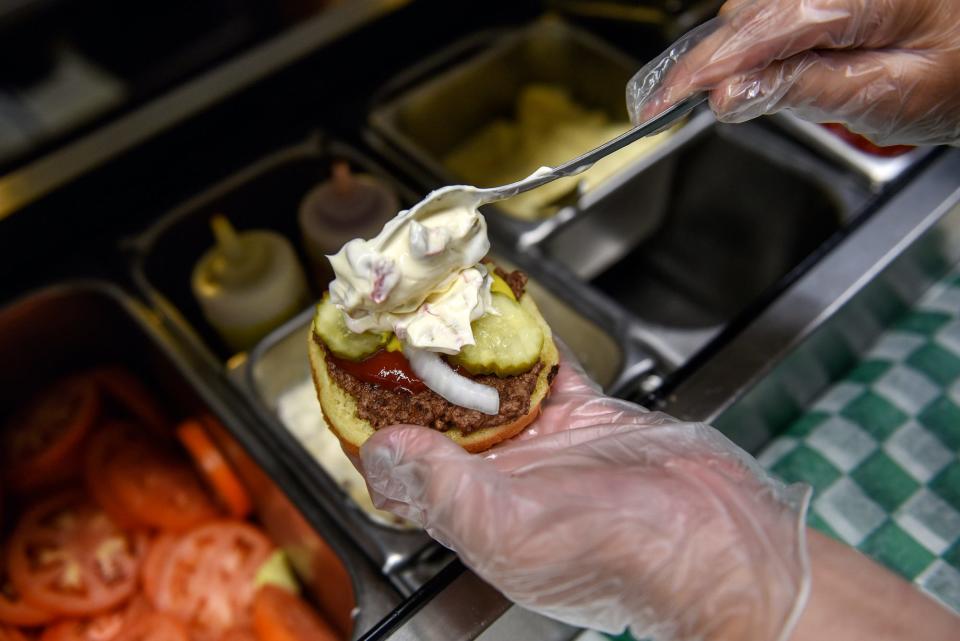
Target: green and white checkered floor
x=881, y=449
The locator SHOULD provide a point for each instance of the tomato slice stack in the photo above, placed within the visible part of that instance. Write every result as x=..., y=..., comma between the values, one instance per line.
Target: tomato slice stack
x=136, y=531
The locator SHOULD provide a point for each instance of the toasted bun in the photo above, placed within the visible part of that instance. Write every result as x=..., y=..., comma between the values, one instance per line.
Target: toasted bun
x=340, y=408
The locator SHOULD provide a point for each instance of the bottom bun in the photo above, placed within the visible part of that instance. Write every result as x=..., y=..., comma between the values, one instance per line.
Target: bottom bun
x=340, y=408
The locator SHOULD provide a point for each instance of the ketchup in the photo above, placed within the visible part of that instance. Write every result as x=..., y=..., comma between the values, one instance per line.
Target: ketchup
x=387, y=369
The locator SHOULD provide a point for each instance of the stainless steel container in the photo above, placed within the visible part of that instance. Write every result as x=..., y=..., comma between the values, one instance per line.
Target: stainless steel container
x=744, y=208
x=79, y=324
x=875, y=171
x=423, y=113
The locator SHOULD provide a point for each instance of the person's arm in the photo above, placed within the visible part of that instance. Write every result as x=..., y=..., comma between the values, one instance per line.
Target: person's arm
x=888, y=69
x=852, y=598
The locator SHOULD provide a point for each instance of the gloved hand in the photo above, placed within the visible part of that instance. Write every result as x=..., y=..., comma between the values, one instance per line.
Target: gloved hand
x=888, y=69
x=605, y=515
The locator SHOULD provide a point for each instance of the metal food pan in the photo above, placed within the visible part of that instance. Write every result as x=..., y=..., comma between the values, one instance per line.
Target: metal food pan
x=426, y=111
x=264, y=195
x=277, y=377
x=743, y=207
x=876, y=171
x=80, y=324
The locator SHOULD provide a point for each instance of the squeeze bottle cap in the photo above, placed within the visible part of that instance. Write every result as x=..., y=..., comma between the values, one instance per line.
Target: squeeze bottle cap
x=236, y=259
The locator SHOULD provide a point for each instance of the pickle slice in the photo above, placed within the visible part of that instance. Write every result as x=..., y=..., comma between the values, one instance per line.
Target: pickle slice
x=500, y=286
x=506, y=344
x=329, y=325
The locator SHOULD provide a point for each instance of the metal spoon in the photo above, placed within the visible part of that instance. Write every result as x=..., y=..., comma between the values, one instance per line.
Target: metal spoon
x=461, y=194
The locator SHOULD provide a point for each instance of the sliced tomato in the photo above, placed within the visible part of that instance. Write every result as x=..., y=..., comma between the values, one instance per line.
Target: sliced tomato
x=220, y=477
x=334, y=591
x=280, y=615
x=129, y=393
x=239, y=634
x=11, y=634
x=155, y=626
x=142, y=483
x=102, y=627
x=100, y=450
x=153, y=563
x=386, y=369
x=207, y=581
x=252, y=474
x=13, y=609
x=67, y=556
x=160, y=488
x=864, y=144
x=41, y=441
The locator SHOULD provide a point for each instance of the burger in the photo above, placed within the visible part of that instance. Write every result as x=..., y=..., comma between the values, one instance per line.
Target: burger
x=419, y=328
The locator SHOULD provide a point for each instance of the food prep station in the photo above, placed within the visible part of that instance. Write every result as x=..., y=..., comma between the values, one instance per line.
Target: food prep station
x=708, y=277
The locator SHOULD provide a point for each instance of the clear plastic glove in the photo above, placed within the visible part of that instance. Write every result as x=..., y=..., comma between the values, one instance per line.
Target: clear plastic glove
x=605, y=515
x=888, y=69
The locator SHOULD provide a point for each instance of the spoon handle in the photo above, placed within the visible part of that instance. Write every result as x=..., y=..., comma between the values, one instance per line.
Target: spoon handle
x=656, y=124
x=583, y=162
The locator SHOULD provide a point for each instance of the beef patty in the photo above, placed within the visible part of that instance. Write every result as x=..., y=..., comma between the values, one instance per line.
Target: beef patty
x=383, y=407
x=516, y=280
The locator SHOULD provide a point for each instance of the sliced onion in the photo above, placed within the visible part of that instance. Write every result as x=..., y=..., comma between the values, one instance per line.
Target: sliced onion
x=459, y=390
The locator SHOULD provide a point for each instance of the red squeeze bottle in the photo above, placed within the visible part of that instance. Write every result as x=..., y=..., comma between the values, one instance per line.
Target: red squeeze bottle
x=341, y=208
